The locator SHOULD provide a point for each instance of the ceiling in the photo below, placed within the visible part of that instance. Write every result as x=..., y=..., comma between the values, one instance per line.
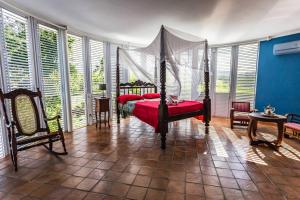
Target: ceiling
x=138, y=21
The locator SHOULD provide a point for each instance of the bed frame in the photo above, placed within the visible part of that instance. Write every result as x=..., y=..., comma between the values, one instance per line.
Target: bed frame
x=163, y=118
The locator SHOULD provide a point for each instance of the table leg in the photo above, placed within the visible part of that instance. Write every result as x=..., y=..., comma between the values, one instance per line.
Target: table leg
x=254, y=129
x=280, y=134
x=100, y=119
x=108, y=119
x=250, y=130
x=96, y=119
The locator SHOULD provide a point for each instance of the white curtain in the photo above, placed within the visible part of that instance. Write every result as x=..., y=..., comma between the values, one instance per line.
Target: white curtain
x=184, y=60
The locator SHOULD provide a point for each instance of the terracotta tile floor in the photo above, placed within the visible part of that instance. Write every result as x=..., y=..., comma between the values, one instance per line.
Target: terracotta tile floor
x=125, y=162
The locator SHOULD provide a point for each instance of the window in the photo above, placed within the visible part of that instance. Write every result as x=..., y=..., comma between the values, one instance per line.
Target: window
x=16, y=53
x=2, y=151
x=96, y=69
x=246, y=73
x=16, y=62
x=77, y=80
x=50, y=71
x=97, y=65
x=223, y=70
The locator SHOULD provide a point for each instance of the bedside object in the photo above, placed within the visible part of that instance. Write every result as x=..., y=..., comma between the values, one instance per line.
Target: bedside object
x=102, y=86
x=102, y=106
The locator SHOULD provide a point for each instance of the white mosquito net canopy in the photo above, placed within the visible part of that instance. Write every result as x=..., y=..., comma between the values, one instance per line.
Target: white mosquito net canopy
x=184, y=55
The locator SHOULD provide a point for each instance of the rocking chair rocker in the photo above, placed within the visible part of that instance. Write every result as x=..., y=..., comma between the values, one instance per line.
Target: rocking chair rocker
x=25, y=129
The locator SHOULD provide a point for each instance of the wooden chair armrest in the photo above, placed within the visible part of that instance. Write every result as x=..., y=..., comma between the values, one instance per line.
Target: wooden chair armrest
x=232, y=112
x=293, y=114
x=53, y=118
x=292, y=117
x=57, y=117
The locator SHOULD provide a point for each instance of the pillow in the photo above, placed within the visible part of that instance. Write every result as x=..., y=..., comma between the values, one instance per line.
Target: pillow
x=129, y=97
x=151, y=95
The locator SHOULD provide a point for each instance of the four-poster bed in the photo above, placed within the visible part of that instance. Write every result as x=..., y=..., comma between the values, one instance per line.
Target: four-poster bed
x=163, y=114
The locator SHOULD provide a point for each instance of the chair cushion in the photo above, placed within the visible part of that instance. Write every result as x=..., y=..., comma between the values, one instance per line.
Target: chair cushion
x=292, y=125
x=241, y=118
x=31, y=139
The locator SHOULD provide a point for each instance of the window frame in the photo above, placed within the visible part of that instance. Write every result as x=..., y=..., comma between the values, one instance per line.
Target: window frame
x=84, y=75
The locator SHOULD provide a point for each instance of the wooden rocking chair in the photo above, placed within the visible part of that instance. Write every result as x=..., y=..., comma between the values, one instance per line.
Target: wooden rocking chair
x=25, y=129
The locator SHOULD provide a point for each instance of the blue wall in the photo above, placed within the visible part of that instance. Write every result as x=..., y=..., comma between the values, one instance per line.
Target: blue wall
x=278, y=78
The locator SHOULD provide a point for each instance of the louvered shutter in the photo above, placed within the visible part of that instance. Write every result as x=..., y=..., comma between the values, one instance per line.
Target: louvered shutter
x=50, y=71
x=77, y=81
x=223, y=69
x=2, y=151
x=16, y=57
x=96, y=69
x=97, y=65
x=16, y=52
x=113, y=62
x=123, y=74
x=222, y=81
x=246, y=73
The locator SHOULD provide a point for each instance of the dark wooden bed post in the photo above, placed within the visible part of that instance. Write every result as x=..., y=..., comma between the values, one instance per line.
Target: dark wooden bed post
x=163, y=108
x=207, y=100
x=155, y=75
x=118, y=85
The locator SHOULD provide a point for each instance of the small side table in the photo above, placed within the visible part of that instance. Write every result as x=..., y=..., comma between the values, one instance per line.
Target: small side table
x=102, y=106
x=255, y=117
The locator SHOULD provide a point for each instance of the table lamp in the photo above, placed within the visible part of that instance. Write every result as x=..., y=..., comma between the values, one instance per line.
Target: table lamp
x=102, y=86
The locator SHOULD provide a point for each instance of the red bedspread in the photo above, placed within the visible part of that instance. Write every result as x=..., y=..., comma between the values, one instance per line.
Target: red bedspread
x=147, y=111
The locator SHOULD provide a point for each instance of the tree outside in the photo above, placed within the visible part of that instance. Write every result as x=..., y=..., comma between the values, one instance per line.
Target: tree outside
x=19, y=73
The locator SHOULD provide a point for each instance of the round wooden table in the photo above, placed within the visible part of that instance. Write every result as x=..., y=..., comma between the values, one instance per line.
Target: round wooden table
x=255, y=117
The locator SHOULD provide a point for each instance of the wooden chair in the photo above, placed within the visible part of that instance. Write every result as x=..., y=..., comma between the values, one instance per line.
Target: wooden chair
x=293, y=123
x=28, y=126
x=239, y=112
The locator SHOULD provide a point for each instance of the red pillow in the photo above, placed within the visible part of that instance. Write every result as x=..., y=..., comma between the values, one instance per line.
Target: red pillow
x=151, y=95
x=128, y=97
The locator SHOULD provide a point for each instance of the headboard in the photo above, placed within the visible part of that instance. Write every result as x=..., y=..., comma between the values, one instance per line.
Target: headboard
x=137, y=87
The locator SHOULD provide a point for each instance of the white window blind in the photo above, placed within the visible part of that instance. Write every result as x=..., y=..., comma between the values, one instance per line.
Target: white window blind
x=2, y=151
x=123, y=74
x=246, y=72
x=16, y=52
x=96, y=69
x=97, y=65
x=77, y=81
x=223, y=70
x=50, y=71
x=16, y=62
